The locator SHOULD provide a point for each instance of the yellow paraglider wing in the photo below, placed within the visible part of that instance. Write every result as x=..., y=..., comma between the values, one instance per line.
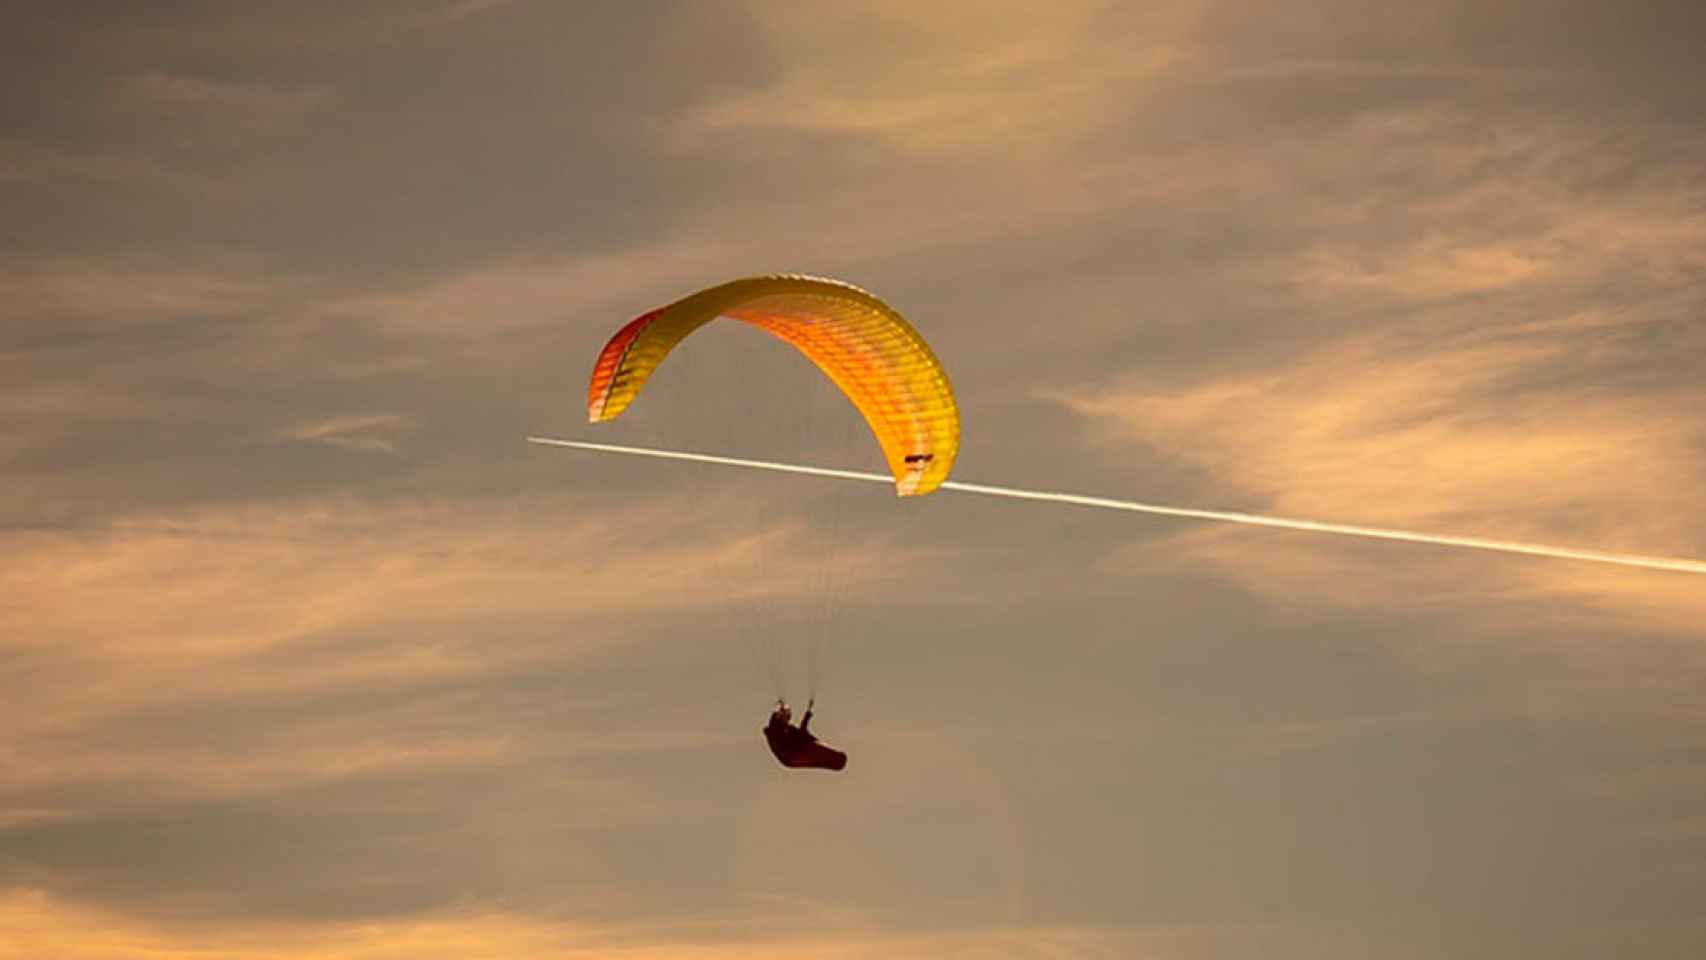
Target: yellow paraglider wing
x=862, y=344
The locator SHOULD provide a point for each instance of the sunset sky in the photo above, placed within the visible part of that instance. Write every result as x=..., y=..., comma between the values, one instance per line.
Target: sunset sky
x=306, y=653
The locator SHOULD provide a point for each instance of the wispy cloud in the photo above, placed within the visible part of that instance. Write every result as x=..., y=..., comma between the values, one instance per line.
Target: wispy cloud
x=363, y=432
x=951, y=80
x=40, y=925
x=43, y=294
x=246, y=106
x=296, y=600
x=1498, y=431
x=23, y=162
x=534, y=290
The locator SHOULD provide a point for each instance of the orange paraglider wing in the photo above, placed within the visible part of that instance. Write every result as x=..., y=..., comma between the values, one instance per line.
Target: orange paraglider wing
x=863, y=345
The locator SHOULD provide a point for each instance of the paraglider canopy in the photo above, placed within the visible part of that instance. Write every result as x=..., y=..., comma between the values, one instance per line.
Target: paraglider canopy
x=863, y=345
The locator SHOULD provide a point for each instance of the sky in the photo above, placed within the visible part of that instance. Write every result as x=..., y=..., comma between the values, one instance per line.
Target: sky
x=305, y=653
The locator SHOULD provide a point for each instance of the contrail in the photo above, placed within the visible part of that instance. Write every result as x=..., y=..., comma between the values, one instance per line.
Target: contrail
x=1316, y=526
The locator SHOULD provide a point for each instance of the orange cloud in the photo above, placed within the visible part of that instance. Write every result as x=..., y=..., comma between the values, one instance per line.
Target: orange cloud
x=34, y=925
x=367, y=432
x=209, y=604
x=1449, y=432
x=943, y=79
x=113, y=291
x=527, y=292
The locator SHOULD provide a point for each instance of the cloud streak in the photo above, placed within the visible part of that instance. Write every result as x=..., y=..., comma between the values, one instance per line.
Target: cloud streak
x=274, y=609
x=1522, y=426
x=36, y=924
